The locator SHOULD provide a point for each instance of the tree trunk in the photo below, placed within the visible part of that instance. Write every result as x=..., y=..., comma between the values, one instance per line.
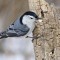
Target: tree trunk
x=47, y=46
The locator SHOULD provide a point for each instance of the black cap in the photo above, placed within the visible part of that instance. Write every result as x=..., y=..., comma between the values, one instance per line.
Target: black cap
x=32, y=14
x=29, y=13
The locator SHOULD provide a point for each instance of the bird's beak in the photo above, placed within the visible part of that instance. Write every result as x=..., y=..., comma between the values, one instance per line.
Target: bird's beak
x=39, y=19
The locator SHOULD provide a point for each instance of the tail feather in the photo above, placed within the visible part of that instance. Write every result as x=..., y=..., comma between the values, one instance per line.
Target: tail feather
x=6, y=34
x=3, y=35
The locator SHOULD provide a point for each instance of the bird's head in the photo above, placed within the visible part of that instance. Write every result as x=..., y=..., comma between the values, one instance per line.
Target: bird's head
x=29, y=17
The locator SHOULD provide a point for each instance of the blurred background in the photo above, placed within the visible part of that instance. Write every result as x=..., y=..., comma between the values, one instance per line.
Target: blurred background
x=10, y=10
x=56, y=2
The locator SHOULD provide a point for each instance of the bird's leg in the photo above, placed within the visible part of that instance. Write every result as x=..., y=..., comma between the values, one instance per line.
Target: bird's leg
x=34, y=37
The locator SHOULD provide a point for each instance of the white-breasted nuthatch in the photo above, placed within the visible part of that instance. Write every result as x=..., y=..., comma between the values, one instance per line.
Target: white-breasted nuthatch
x=22, y=26
x=15, y=36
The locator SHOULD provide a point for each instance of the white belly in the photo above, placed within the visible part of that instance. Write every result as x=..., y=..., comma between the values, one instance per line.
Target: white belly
x=20, y=46
x=17, y=45
x=11, y=57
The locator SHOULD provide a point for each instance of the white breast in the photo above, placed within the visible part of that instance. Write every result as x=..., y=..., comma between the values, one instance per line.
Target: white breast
x=17, y=44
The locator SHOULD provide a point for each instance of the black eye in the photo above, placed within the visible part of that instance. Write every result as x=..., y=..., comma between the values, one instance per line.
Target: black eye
x=12, y=23
x=31, y=18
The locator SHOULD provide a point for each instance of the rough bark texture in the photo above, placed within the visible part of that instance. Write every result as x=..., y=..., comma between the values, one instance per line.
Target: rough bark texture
x=48, y=45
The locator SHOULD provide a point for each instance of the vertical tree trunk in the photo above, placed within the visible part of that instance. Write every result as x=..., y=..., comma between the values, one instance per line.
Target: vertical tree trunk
x=46, y=46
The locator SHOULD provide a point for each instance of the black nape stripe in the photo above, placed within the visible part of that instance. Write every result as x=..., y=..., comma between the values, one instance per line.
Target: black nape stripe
x=21, y=19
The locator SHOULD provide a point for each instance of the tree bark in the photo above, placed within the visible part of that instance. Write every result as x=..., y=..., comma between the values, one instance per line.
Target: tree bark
x=47, y=46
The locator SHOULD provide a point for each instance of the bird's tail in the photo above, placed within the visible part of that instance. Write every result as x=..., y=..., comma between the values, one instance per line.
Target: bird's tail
x=3, y=35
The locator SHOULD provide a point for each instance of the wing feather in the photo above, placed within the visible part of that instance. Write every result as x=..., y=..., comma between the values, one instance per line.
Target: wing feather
x=15, y=30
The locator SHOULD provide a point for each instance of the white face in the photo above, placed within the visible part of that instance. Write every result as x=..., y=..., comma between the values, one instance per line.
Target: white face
x=28, y=19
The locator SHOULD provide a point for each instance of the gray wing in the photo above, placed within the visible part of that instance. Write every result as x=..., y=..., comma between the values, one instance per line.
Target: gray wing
x=15, y=30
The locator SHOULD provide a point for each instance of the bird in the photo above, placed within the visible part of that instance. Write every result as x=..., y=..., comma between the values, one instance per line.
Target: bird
x=15, y=41
x=22, y=26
